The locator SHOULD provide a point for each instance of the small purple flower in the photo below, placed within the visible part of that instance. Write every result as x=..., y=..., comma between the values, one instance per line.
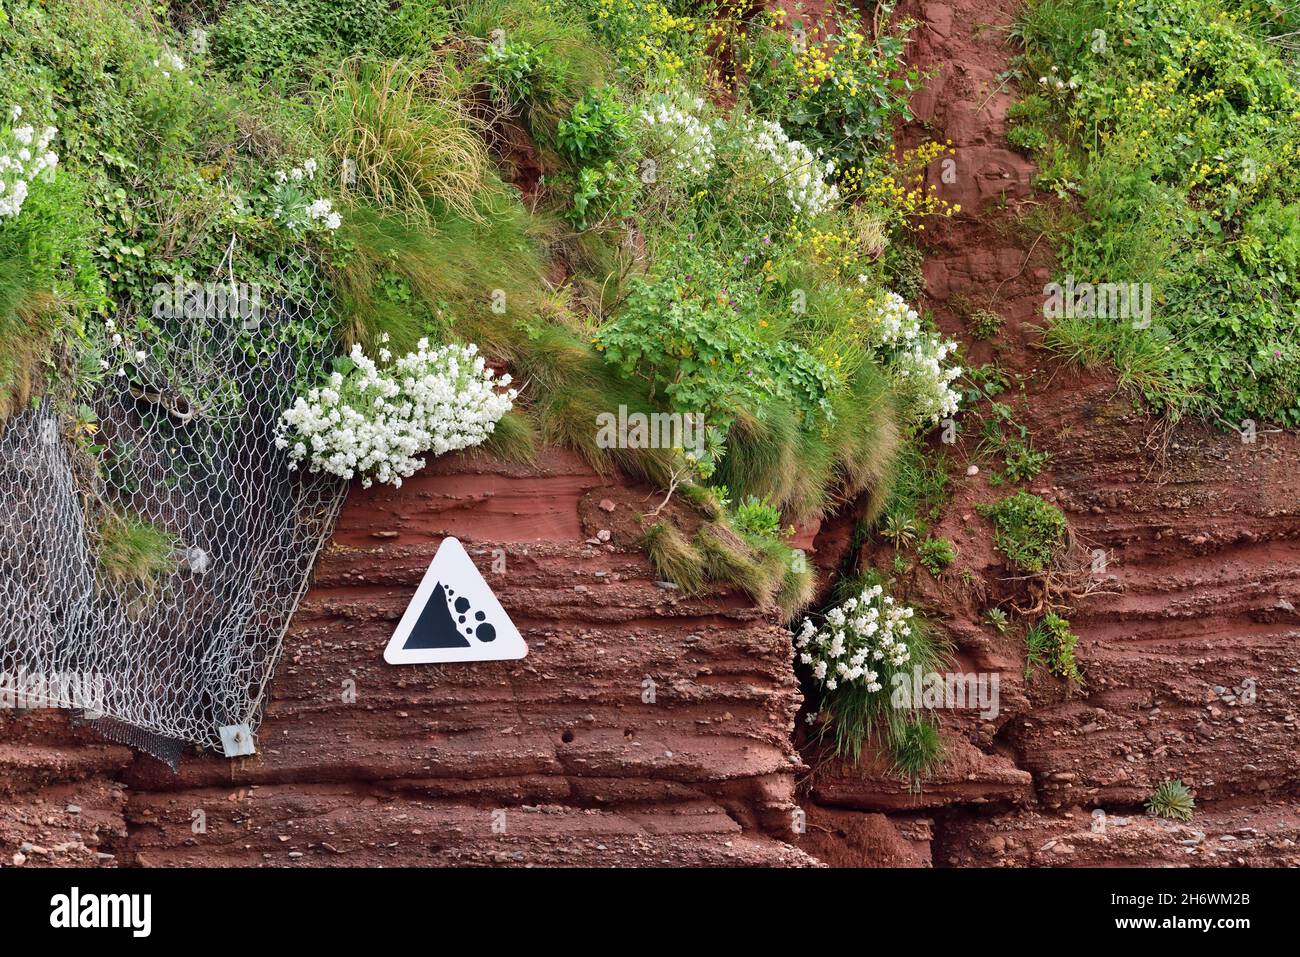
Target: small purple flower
x=767, y=240
x=689, y=277
x=745, y=261
x=1277, y=353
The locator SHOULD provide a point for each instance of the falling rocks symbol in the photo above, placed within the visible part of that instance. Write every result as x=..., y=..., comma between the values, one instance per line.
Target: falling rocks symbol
x=454, y=617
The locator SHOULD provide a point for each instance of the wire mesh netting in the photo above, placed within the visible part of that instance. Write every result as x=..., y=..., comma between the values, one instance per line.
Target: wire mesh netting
x=160, y=562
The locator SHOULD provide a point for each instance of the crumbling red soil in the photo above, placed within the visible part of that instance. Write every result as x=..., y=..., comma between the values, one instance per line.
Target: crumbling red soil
x=1201, y=534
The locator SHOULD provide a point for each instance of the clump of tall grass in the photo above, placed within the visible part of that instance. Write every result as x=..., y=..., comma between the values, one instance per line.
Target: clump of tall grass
x=134, y=552
x=406, y=145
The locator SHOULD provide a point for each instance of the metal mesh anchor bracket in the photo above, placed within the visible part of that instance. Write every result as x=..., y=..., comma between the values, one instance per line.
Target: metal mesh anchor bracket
x=237, y=740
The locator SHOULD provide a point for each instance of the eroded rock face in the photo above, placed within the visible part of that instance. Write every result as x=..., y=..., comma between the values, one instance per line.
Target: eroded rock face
x=561, y=757
x=1188, y=648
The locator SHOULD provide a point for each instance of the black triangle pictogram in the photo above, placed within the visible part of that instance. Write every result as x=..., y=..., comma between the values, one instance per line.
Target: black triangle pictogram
x=435, y=627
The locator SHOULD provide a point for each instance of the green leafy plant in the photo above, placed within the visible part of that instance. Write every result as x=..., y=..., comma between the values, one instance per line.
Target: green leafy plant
x=899, y=529
x=984, y=323
x=272, y=36
x=998, y=620
x=696, y=336
x=1050, y=644
x=756, y=517
x=1172, y=800
x=511, y=68
x=1028, y=531
x=599, y=128
x=936, y=554
x=1003, y=436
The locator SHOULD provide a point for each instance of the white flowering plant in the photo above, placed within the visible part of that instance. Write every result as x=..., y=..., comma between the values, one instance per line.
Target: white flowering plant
x=169, y=63
x=677, y=137
x=914, y=358
x=25, y=157
x=374, y=423
x=788, y=168
x=295, y=205
x=853, y=655
x=859, y=639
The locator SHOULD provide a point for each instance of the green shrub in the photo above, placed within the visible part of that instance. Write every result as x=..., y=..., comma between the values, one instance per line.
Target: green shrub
x=755, y=517
x=1028, y=531
x=512, y=70
x=47, y=281
x=704, y=349
x=984, y=323
x=268, y=36
x=1050, y=644
x=842, y=93
x=936, y=554
x=539, y=60
x=598, y=128
x=1175, y=129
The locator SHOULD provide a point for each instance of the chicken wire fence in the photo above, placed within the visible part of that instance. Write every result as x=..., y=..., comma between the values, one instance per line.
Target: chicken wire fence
x=159, y=562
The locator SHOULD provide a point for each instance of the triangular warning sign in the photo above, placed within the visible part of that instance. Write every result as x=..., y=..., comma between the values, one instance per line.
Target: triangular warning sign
x=454, y=617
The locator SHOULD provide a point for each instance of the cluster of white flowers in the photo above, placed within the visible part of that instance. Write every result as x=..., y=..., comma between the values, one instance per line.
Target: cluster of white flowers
x=169, y=63
x=678, y=135
x=24, y=155
x=298, y=173
x=891, y=322
x=373, y=422
x=1056, y=82
x=858, y=637
x=294, y=208
x=794, y=167
x=929, y=384
x=914, y=357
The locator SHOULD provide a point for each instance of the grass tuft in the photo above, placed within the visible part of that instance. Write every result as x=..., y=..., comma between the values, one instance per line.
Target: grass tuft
x=673, y=558
x=133, y=552
x=729, y=558
x=413, y=146
x=514, y=439
x=915, y=750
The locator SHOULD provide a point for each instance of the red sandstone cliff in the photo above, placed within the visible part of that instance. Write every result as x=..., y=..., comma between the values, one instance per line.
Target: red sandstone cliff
x=1202, y=534
x=413, y=771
